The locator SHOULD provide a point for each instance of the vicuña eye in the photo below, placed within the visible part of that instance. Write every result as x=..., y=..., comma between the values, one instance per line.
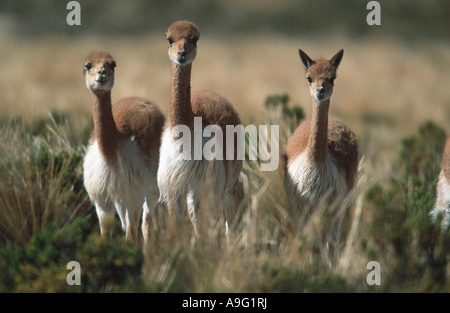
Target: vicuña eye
x=332, y=80
x=88, y=66
x=194, y=41
x=170, y=40
x=309, y=79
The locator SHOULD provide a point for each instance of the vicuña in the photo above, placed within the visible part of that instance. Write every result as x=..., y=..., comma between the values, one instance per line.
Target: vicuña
x=322, y=154
x=122, y=158
x=184, y=183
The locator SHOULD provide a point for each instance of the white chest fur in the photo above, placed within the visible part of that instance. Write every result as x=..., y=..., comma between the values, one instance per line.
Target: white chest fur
x=442, y=204
x=310, y=182
x=178, y=175
x=124, y=182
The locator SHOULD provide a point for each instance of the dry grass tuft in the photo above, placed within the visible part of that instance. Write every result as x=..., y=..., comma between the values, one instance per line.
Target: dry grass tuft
x=40, y=180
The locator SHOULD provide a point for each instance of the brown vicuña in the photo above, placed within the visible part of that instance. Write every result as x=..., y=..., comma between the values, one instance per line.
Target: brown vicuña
x=195, y=183
x=442, y=205
x=121, y=161
x=321, y=157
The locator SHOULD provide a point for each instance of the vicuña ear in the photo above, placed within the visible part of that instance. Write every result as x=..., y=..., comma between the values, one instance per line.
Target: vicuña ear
x=336, y=60
x=307, y=62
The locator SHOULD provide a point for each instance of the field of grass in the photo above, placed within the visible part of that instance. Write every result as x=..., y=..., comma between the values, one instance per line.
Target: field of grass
x=393, y=95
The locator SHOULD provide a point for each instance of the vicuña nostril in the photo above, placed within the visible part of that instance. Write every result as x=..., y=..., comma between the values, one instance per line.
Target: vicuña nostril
x=182, y=55
x=101, y=75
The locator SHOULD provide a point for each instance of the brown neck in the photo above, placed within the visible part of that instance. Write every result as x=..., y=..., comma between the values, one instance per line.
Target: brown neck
x=317, y=142
x=105, y=130
x=180, y=111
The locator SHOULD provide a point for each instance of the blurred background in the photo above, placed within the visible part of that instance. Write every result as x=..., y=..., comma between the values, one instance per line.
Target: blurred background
x=406, y=20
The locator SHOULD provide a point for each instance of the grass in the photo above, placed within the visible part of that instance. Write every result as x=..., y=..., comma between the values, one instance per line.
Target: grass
x=389, y=223
x=385, y=91
x=41, y=178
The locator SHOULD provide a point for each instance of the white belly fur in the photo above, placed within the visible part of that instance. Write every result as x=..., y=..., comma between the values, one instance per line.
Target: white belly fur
x=309, y=183
x=177, y=177
x=442, y=204
x=125, y=183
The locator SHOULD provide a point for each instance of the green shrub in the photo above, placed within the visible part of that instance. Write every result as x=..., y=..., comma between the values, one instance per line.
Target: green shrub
x=282, y=279
x=292, y=115
x=414, y=251
x=41, y=265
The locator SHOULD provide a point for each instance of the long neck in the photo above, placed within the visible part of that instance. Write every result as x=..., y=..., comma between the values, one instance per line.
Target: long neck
x=105, y=129
x=180, y=110
x=317, y=142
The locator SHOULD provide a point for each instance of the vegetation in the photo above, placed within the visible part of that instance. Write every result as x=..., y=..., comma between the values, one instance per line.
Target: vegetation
x=41, y=265
x=40, y=177
x=47, y=221
x=413, y=249
x=292, y=115
x=408, y=19
x=308, y=280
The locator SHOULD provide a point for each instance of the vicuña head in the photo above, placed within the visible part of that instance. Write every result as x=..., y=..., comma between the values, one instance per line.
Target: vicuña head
x=99, y=71
x=182, y=37
x=321, y=74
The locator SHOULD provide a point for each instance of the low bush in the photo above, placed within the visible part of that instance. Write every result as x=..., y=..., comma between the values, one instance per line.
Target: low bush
x=41, y=265
x=411, y=248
